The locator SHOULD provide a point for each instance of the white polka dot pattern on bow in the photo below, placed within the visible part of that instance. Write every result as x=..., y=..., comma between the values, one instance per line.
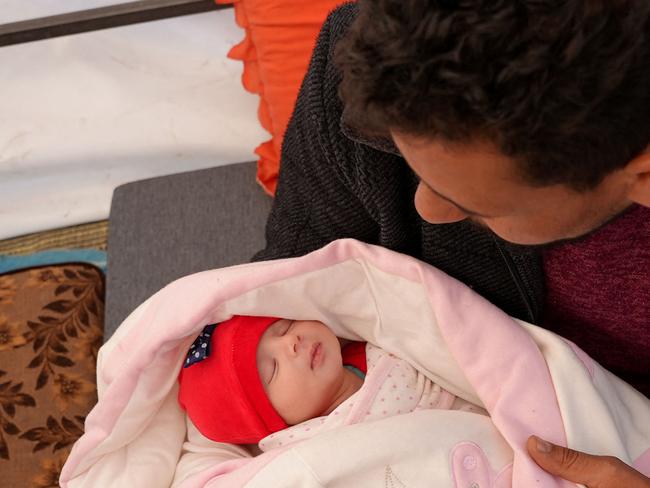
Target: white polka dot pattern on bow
x=200, y=348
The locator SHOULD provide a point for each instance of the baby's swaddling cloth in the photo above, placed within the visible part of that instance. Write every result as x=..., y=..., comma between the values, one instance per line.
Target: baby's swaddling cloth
x=530, y=380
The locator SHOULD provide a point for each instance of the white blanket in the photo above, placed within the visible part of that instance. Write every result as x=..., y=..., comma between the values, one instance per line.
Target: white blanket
x=528, y=379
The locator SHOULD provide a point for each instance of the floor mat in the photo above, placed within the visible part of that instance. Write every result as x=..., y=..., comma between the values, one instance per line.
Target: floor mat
x=93, y=235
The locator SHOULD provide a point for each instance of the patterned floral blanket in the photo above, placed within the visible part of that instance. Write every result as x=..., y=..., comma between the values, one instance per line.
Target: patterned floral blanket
x=51, y=325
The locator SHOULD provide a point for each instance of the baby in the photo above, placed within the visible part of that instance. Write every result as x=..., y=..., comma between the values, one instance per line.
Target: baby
x=249, y=378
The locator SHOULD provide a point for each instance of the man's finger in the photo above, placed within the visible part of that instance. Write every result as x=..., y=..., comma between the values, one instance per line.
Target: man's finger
x=565, y=463
x=579, y=467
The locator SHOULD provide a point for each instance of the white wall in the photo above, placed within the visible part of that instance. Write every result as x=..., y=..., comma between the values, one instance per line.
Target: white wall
x=82, y=114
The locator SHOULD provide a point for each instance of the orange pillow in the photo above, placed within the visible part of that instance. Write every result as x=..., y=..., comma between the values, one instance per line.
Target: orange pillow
x=279, y=38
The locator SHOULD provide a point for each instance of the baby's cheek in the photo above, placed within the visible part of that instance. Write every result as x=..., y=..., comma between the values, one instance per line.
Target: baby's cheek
x=294, y=404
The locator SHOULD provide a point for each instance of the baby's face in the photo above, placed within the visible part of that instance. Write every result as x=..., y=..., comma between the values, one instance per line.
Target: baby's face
x=300, y=365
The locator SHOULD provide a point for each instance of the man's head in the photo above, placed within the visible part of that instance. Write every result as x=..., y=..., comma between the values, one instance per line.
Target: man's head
x=534, y=115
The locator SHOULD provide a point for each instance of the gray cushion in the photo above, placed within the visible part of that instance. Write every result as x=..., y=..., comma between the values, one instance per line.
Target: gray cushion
x=164, y=228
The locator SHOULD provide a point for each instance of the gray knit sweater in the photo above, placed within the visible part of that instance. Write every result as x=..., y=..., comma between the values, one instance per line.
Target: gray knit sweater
x=335, y=184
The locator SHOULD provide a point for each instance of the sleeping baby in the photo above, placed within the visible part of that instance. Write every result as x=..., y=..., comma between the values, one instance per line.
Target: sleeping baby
x=273, y=382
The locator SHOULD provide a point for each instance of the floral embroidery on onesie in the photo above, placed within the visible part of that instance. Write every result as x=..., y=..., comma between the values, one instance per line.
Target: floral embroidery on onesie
x=391, y=387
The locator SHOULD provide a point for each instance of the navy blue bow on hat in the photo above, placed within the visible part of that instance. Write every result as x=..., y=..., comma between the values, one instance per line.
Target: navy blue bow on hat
x=200, y=348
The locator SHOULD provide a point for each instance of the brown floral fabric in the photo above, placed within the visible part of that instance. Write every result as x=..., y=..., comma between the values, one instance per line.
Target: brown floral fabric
x=51, y=327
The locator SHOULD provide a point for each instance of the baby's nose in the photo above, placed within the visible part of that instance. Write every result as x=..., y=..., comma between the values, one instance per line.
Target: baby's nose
x=294, y=343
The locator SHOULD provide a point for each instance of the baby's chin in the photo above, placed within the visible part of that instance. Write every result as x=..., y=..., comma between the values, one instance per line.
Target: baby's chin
x=303, y=417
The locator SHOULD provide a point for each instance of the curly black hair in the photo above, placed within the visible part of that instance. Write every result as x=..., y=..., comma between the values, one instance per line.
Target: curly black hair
x=561, y=86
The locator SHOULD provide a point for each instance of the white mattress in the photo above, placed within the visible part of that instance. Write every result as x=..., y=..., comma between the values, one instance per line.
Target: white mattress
x=80, y=115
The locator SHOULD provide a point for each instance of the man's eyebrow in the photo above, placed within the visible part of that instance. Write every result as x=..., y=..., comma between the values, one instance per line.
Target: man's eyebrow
x=447, y=199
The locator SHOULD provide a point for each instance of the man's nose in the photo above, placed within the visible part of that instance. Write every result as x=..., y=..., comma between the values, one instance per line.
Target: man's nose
x=434, y=209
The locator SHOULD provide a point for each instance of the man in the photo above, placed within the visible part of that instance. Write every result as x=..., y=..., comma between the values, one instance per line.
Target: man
x=506, y=143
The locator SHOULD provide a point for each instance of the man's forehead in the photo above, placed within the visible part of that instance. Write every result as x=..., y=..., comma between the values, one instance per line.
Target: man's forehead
x=476, y=156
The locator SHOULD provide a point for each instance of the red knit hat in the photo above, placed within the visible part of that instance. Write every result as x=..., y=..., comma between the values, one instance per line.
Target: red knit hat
x=223, y=394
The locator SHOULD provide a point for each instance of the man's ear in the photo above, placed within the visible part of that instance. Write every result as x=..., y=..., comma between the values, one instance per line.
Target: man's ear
x=639, y=171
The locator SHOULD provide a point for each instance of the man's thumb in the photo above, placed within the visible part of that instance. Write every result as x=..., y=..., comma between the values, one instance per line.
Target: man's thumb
x=587, y=469
x=566, y=463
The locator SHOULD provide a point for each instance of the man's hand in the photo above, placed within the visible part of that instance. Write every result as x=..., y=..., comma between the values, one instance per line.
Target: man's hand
x=579, y=467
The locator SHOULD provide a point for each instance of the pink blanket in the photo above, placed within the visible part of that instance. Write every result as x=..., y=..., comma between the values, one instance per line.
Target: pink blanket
x=528, y=379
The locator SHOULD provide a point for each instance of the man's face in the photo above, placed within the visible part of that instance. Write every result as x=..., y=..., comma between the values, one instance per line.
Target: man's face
x=300, y=365
x=475, y=181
